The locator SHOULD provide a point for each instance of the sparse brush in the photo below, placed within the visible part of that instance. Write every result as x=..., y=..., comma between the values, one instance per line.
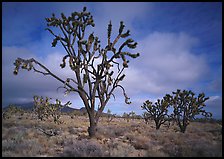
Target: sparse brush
x=21, y=148
x=83, y=148
x=111, y=131
x=140, y=142
x=119, y=139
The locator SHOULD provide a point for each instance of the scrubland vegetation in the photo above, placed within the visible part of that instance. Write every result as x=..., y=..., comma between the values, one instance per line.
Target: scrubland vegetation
x=23, y=134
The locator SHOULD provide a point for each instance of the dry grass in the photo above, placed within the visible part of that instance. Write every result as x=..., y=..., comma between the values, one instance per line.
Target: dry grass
x=82, y=148
x=21, y=136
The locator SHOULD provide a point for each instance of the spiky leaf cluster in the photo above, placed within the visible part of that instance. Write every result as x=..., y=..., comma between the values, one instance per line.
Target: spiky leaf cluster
x=128, y=43
x=24, y=64
x=73, y=24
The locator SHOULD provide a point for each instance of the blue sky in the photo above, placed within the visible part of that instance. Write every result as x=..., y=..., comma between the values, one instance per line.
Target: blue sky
x=180, y=46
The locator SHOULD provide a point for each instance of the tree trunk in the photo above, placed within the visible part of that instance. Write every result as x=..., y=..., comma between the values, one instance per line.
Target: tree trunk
x=183, y=129
x=93, y=124
x=157, y=124
x=182, y=126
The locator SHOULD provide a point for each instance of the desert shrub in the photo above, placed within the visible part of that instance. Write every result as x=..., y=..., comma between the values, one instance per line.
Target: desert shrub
x=119, y=131
x=111, y=131
x=15, y=133
x=190, y=144
x=120, y=149
x=76, y=130
x=21, y=148
x=82, y=148
x=155, y=153
x=8, y=145
x=140, y=142
x=72, y=130
x=194, y=148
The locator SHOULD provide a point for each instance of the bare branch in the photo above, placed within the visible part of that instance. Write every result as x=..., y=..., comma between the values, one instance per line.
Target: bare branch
x=125, y=95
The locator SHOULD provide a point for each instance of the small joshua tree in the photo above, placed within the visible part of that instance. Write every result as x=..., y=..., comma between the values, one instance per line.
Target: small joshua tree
x=132, y=115
x=186, y=107
x=110, y=116
x=146, y=117
x=126, y=116
x=44, y=109
x=93, y=66
x=158, y=111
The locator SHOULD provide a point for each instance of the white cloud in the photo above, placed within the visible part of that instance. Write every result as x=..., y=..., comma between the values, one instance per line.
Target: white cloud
x=214, y=99
x=166, y=63
x=214, y=105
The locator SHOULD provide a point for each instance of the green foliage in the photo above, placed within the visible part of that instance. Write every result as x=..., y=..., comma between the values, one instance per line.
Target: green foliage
x=186, y=107
x=157, y=111
x=44, y=109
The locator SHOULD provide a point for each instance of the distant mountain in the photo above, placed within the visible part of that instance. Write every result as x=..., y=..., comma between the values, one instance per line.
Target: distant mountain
x=29, y=106
x=25, y=106
x=68, y=109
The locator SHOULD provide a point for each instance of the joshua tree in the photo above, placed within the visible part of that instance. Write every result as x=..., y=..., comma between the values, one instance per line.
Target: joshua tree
x=158, y=111
x=146, y=117
x=98, y=71
x=126, y=116
x=186, y=107
x=132, y=115
x=110, y=116
x=44, y=109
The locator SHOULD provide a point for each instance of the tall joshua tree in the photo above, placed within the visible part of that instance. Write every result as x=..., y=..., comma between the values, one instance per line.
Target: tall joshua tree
x=93, y=80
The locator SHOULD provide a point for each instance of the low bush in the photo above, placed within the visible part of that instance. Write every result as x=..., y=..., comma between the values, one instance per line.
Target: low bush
x=82, y=148
x=21, y=148
x=111, y=131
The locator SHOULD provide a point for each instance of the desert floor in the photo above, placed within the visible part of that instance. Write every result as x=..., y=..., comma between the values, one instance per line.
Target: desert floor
x=23, y=136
